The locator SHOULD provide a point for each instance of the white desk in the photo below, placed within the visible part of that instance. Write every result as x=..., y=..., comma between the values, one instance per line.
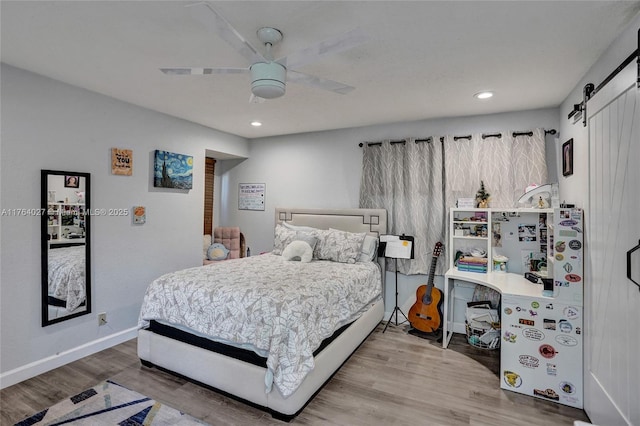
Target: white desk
x=505, y=283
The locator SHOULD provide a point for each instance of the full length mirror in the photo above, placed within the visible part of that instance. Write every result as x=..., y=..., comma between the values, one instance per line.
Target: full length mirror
x=65, y=233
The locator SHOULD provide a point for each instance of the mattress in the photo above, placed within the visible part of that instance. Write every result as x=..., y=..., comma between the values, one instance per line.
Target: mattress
x=231, y=351
x=279, y=309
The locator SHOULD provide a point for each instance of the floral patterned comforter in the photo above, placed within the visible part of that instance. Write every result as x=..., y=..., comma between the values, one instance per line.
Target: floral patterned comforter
x=282, y=308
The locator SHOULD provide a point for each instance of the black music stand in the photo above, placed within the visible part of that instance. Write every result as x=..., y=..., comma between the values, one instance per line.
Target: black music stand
x=400, y=249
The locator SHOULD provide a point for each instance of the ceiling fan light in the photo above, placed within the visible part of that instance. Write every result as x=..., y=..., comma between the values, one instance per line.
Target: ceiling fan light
x=268, y=79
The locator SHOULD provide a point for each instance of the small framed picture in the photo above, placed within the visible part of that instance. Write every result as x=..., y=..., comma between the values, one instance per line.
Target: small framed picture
x=567, y=158
x=71, y=181
x=121, y=161
x=139, y=215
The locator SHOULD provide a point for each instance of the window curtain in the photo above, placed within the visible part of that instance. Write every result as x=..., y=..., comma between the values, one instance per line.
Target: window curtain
x=416, y=186
x=406, y=178
x=506, y=164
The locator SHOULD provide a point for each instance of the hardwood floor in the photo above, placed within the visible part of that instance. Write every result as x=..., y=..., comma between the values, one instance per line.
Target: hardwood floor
x=392, y=379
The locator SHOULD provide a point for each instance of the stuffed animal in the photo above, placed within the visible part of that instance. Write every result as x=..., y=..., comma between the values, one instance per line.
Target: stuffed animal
x=217, y=251
x=298, y=250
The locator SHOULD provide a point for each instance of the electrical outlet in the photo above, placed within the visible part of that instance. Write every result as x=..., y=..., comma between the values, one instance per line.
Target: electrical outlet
x=102, y=318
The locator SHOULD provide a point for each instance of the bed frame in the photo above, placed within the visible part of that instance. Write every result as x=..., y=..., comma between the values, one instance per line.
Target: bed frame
x=247, y=381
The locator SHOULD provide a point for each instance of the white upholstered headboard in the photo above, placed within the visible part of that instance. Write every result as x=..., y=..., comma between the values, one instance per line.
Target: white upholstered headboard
x=373, y=221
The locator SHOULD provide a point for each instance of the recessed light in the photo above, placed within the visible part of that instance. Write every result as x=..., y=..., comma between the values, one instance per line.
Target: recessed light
x=256, y=123
x=483, y=95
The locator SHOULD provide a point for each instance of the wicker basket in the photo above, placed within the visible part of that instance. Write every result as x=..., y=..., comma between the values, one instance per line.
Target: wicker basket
x=483, y=326
x=483, y=337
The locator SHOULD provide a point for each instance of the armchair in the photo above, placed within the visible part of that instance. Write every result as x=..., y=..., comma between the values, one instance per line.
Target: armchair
x=230, y=237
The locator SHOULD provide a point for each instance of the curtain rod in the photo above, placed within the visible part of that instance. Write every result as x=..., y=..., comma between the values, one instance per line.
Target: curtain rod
x=455, y=138
x=546, y=132
x=491, y=135
x=428, y=140
x=499, y=135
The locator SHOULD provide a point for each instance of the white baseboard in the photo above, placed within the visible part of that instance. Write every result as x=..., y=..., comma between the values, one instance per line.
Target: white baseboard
x=35, y=368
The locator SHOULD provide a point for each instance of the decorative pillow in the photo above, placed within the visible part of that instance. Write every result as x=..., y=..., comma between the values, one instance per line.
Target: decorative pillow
x=307, y=238
x=217, y=251
x=319, y=250
x=298, y=250
x=369, y=250
x=338, y=246
x=282, y=238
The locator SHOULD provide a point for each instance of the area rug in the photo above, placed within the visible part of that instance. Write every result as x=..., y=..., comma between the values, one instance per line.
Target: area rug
x=109, y=403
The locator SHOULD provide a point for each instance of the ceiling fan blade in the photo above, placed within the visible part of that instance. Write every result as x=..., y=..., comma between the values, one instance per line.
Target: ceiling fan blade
x=320, y=83
x=202, y=71
x=226, y=31
x=330, y=46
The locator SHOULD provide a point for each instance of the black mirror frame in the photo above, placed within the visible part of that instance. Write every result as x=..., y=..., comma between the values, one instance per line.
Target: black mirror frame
x=44, y=244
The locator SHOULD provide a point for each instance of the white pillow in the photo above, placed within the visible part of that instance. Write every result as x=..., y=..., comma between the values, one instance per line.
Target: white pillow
x=307, y=238
x=206, y=242
x=297, y=227
x=369, y=250
x=298, y=250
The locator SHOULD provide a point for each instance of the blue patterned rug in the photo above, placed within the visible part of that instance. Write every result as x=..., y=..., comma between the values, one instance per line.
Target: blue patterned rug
x=108, y=403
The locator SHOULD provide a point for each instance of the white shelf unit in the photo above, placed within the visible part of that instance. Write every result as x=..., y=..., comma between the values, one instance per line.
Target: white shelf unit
x=64, y=219
x=477, y=227
x=470, y=229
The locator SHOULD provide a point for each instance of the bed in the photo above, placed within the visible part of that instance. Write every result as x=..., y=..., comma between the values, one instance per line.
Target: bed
x=66, y=275
x=323, y=311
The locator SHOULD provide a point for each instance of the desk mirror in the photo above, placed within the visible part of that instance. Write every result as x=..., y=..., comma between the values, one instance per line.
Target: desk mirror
x=65, y=233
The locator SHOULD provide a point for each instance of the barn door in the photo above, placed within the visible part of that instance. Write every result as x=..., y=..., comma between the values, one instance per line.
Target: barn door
x=612, y=301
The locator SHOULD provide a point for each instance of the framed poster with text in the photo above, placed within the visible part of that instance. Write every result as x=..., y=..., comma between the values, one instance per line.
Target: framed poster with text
x=251, y=196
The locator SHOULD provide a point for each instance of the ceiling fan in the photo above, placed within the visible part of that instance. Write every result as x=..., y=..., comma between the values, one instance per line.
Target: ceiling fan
x=269, y=76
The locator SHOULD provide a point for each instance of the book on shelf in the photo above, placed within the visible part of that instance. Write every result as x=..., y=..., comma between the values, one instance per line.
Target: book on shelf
x=468, y=268
x=472, y=264
x=473, y=260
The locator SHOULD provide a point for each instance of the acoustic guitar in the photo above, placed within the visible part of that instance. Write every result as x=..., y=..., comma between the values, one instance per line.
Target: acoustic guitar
x=426, y=314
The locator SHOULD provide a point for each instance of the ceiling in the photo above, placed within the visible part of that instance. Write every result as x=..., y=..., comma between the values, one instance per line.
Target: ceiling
x=423, y=59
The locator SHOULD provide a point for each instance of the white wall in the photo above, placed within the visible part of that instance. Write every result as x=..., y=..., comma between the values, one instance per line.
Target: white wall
x=50, y=125
x=575, y=188
x=323, y=169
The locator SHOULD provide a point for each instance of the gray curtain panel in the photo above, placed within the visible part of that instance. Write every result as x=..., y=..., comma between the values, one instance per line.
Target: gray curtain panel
x=506, y=165
x=407, y=180
x=416, y=186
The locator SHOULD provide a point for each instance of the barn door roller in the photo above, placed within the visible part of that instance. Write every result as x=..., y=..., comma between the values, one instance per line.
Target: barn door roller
x=629, y=253
x=589, y=89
